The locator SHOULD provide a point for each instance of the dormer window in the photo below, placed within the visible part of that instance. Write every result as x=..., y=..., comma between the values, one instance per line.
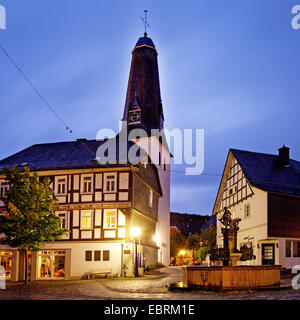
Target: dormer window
x=134, y=117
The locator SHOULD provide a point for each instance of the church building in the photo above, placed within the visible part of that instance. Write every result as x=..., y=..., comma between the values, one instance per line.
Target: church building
x=104, y=204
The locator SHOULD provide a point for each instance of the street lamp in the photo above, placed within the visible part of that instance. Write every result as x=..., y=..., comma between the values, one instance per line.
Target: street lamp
x=136, y=234
x=156, y=239
x=182, y=254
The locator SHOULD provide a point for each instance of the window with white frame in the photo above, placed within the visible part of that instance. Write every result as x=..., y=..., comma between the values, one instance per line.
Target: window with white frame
x=150, y=198
x=86, y=219
x=3, y=188
x=61, y=185
x=86, y=183
x=247, y=210
x=110, y=218
x=63, y=219
x=110, y=182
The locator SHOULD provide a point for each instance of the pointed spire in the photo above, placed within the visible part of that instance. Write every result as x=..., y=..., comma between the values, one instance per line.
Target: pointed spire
x=143, y=90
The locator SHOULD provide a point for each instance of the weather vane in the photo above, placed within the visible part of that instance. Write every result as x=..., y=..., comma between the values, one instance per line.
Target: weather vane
x=147, y=25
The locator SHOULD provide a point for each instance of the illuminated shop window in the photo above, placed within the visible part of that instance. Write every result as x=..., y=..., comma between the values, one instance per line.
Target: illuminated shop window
x=51, y=264
x=6, y=263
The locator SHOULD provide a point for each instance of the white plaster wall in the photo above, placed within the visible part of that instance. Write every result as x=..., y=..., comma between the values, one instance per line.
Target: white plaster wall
x=163, y=225
x=78, y=264
x=253, y=227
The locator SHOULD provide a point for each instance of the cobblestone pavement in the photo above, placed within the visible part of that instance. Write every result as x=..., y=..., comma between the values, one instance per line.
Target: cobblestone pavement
x=148, y=287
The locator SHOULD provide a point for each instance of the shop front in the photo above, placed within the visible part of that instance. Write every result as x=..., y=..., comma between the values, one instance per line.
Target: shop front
x=51, y=264
x=6, y=263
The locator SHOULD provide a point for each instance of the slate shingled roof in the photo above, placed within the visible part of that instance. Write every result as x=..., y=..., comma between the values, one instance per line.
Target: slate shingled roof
x=145, y=41
x=57, y=156
x=69, y=155
x=265, y=172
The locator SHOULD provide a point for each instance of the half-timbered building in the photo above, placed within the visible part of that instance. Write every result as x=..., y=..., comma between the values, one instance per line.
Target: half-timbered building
x=263, y=190
x=100, y=204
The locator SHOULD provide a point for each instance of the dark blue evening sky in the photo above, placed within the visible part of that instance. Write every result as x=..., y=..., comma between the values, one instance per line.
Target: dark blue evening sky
x=231, y=67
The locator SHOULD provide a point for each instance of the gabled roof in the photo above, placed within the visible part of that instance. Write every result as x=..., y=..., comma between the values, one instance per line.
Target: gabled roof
x=265, y=172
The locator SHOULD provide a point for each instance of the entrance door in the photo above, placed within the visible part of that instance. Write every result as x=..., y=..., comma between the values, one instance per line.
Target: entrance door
x=268, y=254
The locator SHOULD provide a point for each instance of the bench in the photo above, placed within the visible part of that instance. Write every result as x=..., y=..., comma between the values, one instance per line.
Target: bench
x=93, y=272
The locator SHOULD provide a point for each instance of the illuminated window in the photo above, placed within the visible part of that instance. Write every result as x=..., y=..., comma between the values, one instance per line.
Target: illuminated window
x=86, y=219
x=51, y=264
x=110, y=219
x=6, y=263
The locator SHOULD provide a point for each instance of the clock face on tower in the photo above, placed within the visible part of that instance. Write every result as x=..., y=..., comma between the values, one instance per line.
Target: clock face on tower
x=134, y=116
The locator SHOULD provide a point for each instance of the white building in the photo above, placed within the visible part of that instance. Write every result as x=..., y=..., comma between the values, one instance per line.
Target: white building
x=263, y=190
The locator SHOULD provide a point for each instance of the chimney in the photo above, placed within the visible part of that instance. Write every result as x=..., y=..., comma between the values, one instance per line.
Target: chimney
x=284, y=156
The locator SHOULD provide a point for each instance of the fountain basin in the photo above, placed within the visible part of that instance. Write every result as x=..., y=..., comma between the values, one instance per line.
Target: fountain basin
x=232, y=277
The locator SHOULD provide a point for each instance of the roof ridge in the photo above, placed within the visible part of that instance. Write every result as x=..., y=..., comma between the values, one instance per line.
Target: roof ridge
x=61, y=142
x=260, y=153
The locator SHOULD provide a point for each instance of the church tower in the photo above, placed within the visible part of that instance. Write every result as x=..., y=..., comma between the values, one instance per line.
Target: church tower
x=143, y=110
x=143, y=106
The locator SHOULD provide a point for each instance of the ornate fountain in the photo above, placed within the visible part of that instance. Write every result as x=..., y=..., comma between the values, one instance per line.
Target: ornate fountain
x=231, y=275
x=229, y=254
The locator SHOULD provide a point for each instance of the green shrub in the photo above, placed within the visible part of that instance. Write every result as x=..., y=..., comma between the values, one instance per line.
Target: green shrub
x=202, y=253
x=154, y=266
